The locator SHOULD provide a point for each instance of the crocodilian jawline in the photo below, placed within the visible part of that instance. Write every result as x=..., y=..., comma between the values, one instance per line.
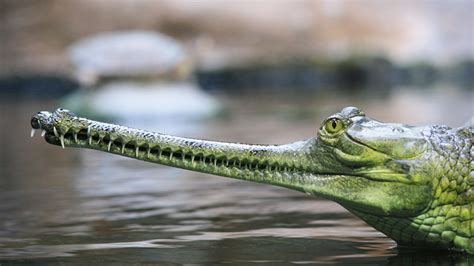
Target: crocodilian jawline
x=43, y=134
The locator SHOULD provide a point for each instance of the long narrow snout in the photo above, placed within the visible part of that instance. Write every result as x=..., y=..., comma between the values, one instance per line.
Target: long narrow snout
x=276, y=164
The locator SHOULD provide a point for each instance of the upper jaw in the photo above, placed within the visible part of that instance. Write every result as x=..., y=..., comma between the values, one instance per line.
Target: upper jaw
x=41, y=120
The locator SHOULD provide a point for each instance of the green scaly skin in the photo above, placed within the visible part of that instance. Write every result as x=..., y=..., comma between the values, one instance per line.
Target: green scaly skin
x=414, y=184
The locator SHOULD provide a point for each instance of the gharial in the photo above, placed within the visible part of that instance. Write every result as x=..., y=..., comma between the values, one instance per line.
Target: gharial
x=412, y=183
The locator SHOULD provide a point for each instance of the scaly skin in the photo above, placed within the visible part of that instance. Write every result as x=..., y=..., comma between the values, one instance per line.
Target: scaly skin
x=414, y=184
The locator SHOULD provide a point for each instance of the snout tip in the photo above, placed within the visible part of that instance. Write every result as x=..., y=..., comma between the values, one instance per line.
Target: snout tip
x=35, y=123
x=38, y=117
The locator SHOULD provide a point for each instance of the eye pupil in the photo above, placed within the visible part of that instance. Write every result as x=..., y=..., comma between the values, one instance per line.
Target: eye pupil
x=333, y=125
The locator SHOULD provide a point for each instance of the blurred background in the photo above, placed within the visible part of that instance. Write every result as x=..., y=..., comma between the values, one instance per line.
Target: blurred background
x=243, y=71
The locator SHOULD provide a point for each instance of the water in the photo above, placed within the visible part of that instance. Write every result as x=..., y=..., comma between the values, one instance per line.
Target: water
x=80, y=206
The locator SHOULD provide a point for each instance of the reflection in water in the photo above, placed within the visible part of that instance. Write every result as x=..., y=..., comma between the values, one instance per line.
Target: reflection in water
x=84, y=206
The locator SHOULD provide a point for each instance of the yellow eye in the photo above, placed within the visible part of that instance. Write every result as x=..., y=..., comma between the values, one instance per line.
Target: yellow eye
x=333, y=125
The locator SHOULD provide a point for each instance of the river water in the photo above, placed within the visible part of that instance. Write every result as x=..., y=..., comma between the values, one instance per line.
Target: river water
x=87, y=207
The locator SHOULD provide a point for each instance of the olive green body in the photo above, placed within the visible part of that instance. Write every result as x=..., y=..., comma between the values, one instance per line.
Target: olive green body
x=414, y=184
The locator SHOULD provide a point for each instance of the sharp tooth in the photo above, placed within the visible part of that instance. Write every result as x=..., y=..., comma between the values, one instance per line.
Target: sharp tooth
x=148, y=150
x=136, y=151
x=110, y=144
x=55, y=132
x=90, y=140
x=75, y=136
x=171, y=155
x=215, y=162
x=123, y=148
x=32, y=132
x=88, y=131
x=62, y=140
x=43, y=133
x=192, y=158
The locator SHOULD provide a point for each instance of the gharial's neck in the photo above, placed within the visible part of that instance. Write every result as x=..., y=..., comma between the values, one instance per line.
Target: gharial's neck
x=281, y=165
x=442, y=227
x=448, y=221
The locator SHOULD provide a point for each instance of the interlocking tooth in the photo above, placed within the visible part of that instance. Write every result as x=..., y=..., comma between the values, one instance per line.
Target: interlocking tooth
x=89, y=131
x=192, y=159
x=55, y=132
x=171, y=155
x=123, y=148
x=215, y=162
x=43, y=133
x=32, y=132
x=110, y=145
x=75, y=136
x=136, y=151
x=61, y=138
x=90, y=140
x=148, y=150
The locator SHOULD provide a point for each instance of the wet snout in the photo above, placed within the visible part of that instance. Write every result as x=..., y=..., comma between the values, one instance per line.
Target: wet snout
x=39, y=119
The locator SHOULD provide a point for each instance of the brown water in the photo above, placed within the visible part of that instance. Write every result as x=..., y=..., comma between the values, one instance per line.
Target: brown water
x=80, y=206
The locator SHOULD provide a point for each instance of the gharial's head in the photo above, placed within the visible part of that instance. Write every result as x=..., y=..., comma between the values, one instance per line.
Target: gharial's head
x=366, y=165
x=371, y=167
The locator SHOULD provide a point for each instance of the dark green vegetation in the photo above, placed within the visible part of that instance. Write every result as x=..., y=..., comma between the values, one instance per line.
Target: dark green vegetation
x=374, y=73
x=414, y=184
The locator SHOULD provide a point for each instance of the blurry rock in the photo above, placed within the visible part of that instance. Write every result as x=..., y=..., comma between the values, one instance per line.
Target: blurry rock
x=131, y=100
x=136, y=54
x=136, y=75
